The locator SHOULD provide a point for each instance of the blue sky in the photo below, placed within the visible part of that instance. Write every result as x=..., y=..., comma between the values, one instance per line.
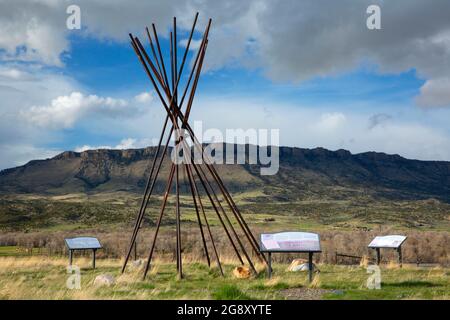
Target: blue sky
x=105, y=67
x=322, y=81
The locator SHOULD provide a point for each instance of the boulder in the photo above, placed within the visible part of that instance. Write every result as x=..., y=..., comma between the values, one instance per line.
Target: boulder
x=295, y=263
x=104, y=280
x=241, y=272
x=137, y=264
x=300, y=265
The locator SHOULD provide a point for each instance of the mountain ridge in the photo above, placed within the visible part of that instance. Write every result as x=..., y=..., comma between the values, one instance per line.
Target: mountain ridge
x=303, y=173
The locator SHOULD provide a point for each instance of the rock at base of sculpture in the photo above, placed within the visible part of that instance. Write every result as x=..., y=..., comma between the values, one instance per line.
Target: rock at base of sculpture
x=241, y=272
x=300, y=265
x=104, y=280
x=137, y=264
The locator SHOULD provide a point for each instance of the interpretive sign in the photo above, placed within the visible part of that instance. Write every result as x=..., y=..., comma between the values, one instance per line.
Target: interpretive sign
x=290, y=242
x=393, y=241
x=302, y=242
x=83, y=243
x=389, y=242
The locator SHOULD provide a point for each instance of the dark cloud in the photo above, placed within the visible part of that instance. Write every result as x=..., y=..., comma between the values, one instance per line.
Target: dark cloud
x=378, y=119
x=295, y=40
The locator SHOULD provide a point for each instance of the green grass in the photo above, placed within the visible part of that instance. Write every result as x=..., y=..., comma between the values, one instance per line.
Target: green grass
x=229, y=292
x=45, y=278
x=76, y=211
x=9, y=251
x=16, y=251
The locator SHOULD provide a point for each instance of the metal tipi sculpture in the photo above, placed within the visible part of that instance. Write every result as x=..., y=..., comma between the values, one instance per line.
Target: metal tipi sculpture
x=202, y=179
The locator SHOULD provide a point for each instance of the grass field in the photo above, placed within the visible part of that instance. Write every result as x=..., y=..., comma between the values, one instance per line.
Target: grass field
x=40, y=223
x=41, y=277
x=80, y=211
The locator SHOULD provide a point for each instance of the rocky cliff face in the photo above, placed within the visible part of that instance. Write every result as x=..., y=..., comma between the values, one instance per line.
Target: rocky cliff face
x=303, y=172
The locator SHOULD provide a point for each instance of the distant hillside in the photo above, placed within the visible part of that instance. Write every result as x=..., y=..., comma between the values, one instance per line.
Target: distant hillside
x=303, y=173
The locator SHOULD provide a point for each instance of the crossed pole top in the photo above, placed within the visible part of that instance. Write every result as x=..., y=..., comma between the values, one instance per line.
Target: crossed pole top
x=156, y=70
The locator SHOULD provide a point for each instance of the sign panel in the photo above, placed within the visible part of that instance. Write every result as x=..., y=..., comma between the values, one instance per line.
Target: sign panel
x=290, y=241
x=83, y=243
x=392, y=241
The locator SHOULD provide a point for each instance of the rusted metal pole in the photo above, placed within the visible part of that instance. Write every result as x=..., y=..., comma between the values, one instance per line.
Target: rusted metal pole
x=218, y=214
x=178, y=222
x=152, y=47
x=237, y=214
x=215, y=208
x=175, y=59
x=187, y=175
x=199, y=53
x=172, y=71
x=155, y=34
x=148, y=188
x=194, y=85
x=229, y=223
x=139, y=45
x=225, y=192
x=158, y=223
x=227, y=196
x=187, y=49
x=141, y=213
x=194, y=184
x=141, y=55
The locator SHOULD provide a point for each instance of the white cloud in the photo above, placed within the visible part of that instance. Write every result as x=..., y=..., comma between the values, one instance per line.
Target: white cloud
x=195, y=43
x=331, y=121
x=31, y=117
x=21, y=141
x=88, y=147
x=306, y=127
x=33, y=31
x=64, y=111
x=143, y=97
x=315, y=38
x=435, y=93
x=13, y=73
x=19, y=154
x=128, y=143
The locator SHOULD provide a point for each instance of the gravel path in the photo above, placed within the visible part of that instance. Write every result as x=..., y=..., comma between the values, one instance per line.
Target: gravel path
x=303, y=293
